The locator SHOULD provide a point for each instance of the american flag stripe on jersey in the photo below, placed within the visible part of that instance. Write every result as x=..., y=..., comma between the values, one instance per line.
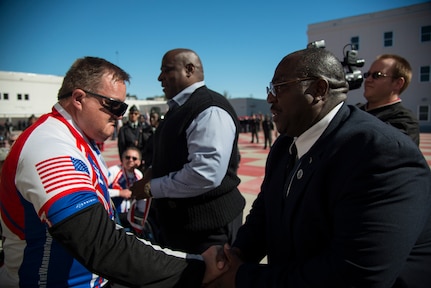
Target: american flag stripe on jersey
x=64, y=173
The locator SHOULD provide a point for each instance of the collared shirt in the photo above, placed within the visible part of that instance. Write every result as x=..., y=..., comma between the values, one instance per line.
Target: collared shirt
x=309, y=137
x=184, y=95
x=134, y=124
x=210, y=139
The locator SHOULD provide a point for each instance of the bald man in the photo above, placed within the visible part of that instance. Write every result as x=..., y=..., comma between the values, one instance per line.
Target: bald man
x=193, y=176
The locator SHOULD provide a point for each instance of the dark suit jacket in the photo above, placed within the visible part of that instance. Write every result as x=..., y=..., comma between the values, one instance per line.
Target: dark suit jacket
x=398, y=116
x=357, y=214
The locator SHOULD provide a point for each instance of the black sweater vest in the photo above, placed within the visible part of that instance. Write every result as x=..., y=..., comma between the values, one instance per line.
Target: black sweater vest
x=213, y=209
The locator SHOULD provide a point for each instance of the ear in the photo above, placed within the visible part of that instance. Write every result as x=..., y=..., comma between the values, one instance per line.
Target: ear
x=190, y=69
x=77, y=96
x=399, y=83
x=318, y=90
x=322, y=87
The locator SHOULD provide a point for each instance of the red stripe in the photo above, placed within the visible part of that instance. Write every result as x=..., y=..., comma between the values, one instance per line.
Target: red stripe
x=8, y=192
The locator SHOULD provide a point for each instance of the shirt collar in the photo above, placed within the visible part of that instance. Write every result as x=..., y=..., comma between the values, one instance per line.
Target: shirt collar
x=72, y=123
x=309, y=137
x=184, y=95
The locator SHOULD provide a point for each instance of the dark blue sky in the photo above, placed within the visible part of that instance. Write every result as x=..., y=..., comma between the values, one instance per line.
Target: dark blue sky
x=240, y=42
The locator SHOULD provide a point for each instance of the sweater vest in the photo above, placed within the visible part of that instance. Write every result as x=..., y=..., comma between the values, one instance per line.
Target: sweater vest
x=215, y=208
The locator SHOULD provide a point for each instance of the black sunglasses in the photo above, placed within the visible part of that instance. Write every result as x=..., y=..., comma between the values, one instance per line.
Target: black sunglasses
x=131, y=157
x=376, y=75
x=115, y=107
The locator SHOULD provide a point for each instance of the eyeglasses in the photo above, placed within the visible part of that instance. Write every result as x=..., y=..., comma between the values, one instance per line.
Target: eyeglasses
x=115, y=107
x=376, y=75
x=272, y=87
x=131, y=157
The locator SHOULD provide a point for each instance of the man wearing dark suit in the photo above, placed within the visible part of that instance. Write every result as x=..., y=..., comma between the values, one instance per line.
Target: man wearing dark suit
x=194, y=178
x=352, y=211
x=133, y=133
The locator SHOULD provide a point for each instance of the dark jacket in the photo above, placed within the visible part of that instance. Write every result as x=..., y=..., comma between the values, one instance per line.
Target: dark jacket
x=133, y=137
x=357, y=214
x=400, y=117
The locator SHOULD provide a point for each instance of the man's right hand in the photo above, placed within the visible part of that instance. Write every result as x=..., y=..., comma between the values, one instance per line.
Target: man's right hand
x=140, y=189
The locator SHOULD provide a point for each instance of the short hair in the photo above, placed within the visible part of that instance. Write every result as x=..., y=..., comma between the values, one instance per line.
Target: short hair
x=401, y=68
x=86, y=73
x=154, y=113
x=320, y=63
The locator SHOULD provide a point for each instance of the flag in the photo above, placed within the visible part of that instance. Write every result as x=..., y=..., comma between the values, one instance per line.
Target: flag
x=64, y=173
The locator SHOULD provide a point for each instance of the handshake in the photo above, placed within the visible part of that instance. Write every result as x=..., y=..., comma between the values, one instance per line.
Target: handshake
x=141, y=189
x=222, y=263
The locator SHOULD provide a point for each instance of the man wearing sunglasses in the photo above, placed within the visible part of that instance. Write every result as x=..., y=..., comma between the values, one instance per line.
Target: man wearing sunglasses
x=121, y=178
x=56, y=213
x=352, y=208
x=388, y=77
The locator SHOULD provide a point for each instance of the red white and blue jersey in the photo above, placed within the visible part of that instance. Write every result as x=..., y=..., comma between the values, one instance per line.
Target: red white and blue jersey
x=52, y=172
x=119, y=179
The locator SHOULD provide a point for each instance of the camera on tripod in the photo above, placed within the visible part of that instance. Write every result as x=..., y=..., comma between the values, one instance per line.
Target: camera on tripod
x=351, y=62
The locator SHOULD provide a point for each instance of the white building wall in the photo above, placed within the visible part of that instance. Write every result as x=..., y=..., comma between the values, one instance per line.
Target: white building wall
x=41, y=90
x=405, y=24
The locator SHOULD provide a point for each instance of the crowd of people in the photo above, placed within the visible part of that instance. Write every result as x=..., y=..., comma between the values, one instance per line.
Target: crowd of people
x=345, y=200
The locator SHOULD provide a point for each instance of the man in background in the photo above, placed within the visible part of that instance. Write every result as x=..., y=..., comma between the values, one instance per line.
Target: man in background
x=388, y=77
x=132, y=133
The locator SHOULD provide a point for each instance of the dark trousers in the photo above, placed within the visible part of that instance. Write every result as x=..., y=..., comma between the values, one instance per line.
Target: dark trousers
x=253, y=135
x=198, y=242
x=268, y=138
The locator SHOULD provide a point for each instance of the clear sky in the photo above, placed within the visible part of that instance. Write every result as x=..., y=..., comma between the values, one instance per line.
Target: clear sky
x=240, y=42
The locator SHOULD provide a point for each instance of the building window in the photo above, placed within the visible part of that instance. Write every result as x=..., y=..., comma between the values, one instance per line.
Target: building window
x=425, y=74
x=388, y=39
x=424, y=113
x=355, y=42
x=26, y=97
x=5, y=96
x=19, y=96
x=426, y=34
